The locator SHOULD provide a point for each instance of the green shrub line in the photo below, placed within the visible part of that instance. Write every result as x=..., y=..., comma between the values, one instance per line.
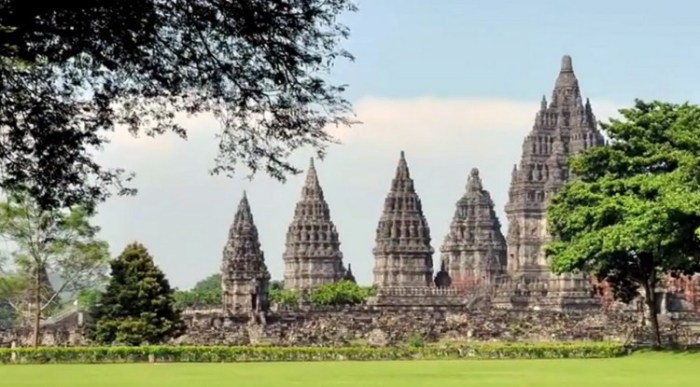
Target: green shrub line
x=221, y=354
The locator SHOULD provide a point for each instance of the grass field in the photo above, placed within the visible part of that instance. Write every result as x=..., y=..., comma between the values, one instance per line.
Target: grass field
x=637, y=370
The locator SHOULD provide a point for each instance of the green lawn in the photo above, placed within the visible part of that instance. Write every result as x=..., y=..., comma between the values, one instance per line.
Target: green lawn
x=638, y=370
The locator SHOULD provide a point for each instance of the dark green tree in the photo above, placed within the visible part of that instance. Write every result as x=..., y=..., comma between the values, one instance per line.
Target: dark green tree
x=137, y=306
x=632, y=214
x=276, y=285
x=72, y=72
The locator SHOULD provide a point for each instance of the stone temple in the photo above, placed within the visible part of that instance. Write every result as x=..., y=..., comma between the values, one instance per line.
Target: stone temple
x=312, y=256
x=244, y=275
x=564, y=126
x=474, y=250
x=403, y=255
x=474, y=258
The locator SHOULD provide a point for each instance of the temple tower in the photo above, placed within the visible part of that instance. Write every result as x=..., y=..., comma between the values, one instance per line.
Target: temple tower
x=402, y=254
x=474, y=250
x=312, y=256
x=244, y=275
x=564, y=126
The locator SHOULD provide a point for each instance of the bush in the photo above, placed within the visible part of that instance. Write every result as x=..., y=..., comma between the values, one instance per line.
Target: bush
x=188, y=354
x=284, y=297
x=340, y=293
x=416, y=341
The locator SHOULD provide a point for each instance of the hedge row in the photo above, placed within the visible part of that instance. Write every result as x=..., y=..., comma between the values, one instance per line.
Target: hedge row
x=188, y=354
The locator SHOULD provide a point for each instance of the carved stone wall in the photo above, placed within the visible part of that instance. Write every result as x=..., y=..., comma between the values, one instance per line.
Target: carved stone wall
x=382, y=326
x=393, y=326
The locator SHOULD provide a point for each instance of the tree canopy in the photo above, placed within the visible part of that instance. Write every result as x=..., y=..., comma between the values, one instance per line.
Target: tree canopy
x=205, y=293
x=631, y=215
x=72, y=72
x=137, y=306
x=43, y=245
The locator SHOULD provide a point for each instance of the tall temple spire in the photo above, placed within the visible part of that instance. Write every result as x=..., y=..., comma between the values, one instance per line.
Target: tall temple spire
x=402, y=254
x=312, y=256
x=474, y=250
x=569, y=127
x=349, y=276
x=244, y=273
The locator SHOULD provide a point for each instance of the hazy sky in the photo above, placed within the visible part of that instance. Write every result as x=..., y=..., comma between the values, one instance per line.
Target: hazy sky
x=453, y=83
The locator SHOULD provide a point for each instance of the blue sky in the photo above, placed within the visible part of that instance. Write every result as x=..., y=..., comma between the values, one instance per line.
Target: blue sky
x=457, y=48
x=455, y=84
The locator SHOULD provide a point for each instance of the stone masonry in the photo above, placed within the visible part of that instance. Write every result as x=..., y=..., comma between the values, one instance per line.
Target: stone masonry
x=474, y=250
x=402, y=254
x=385, y=326
x=562, y=128
x=244, y=275
x=312, y=256
x=375, y=326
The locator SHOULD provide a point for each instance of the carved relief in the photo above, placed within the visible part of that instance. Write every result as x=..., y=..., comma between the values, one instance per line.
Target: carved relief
x=408, y=252
x=315, y=258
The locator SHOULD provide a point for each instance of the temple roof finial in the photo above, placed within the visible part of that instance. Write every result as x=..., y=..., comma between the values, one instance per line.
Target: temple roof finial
x=402, y=168
x=566, y=65
x=474, y=181
x=311, y=186
x=243, y=213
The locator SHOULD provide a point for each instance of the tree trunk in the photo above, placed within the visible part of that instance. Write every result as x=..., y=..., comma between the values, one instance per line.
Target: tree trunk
x=37, y=308
x=650, y=298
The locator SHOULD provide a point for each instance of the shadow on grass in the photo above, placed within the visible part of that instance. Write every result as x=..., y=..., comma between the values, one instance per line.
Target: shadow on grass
x=678, y=350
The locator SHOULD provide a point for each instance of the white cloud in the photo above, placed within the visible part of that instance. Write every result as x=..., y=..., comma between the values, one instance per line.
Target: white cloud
x=432, y=120
x=182, y=213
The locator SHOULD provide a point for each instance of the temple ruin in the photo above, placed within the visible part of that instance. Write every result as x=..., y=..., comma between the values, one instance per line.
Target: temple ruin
x=244, y=275
x=312, y=256
x=402, y=254
x=474, y=250
x=475, y=257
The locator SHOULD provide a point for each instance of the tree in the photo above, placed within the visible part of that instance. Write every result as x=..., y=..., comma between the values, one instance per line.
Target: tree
x=71, y=72
x=205, y=293
x=42, y=244
x=276, y=285
x=137, y=306
x=286, y=297
x=631, y=215
x=10, y=287
x=89, y=298
x=340, y=293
